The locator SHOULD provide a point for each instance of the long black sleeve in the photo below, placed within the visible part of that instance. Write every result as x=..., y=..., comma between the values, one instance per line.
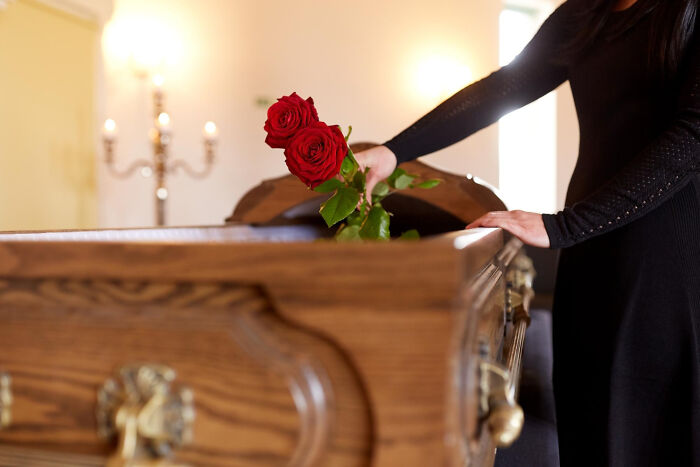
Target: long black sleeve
x=531, y=75
x=660, y=170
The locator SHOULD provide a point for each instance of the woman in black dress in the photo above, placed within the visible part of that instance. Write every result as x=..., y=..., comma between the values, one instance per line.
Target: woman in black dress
x=627, y=301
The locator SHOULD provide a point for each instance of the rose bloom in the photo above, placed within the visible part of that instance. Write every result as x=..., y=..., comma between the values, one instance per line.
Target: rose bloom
x=287, y=116
x=316, y=153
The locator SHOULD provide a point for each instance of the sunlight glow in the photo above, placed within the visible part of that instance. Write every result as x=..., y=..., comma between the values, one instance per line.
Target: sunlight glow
x=143, y=44
x=527, y=137
x=437, y=76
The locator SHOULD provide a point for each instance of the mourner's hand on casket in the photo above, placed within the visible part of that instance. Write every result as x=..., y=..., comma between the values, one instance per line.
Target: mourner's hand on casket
x=381, y=162
x=527, y=226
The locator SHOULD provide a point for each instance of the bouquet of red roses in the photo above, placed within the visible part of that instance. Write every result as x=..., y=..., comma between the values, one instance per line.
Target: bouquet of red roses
x=319, y=156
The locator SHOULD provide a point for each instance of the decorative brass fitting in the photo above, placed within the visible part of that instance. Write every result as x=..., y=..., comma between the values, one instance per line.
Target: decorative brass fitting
x=148, y=416
x=504, y=417
x=5, y=400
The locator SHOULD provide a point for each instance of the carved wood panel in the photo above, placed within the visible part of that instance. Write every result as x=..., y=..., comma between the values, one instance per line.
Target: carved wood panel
x=463, y=197
x=265, y=392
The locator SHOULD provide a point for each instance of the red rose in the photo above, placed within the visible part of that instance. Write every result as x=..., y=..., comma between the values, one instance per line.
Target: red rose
x=316, y=153
x=287, y=116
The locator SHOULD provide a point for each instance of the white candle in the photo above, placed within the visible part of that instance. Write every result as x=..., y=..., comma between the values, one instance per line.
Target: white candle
x=158, y=81
x=109, y=131
x=210, y=132
x=163, y=123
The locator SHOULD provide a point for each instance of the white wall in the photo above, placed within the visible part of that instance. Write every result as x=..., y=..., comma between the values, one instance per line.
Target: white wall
x=567, y=133
x=357, y=59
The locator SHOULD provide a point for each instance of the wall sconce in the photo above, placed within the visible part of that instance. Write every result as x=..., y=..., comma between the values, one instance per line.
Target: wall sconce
x=437, y=76
x=162, y=165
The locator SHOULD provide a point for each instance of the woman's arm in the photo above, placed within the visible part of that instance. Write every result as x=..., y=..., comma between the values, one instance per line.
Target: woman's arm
x=532, y=74
x=655, y=174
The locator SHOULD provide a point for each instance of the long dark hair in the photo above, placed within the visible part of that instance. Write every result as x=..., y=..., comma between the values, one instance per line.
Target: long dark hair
x=673, y=25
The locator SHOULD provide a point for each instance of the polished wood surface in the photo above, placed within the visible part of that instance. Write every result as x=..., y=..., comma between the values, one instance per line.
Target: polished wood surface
x=463, y=197
x=72, y=312
x=68, y=336
x=292, y=359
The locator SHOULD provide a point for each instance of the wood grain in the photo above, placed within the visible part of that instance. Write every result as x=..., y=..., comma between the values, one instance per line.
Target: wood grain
x=67, y=337
x=460, y=196
x=392, y=334
x=74, y=311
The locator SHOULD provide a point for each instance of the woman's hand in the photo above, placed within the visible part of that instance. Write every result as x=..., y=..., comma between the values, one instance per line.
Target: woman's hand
x=527, y=226
x=381, y=162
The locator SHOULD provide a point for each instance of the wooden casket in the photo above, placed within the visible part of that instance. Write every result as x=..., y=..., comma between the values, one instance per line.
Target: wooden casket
x=255, y=344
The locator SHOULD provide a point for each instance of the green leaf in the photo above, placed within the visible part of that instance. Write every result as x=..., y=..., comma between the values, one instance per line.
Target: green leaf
x=359, y=181
x=400, y=180
x=349, y=166
x=381, y=189
x=410, y=235
x=429, y=184
x=350, y=233
x=403, y=181
x=376, y=227
x=356, y=218
x=394, y=175
x=328, y=186
x=340, y=205
x=364, y=208
x=347, y=137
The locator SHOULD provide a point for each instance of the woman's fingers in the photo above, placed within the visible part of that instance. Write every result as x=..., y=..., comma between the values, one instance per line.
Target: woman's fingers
x=491, y=219
x=372, y=179
x=527, y=226
x=381, y=162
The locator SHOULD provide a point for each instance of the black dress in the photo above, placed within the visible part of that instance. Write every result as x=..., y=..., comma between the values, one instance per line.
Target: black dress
x=627, y=300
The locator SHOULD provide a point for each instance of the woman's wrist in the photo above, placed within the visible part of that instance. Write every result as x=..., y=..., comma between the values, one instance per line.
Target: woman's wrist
x=385, y=151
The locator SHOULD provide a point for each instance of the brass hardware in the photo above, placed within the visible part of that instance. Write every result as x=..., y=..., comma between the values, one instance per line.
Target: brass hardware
x=147, y=415
x=518, y=306
x=504, y=417
x=521, y=273
x=505, y=423
x=514, y=300
x=519, y=289
x=5, y=400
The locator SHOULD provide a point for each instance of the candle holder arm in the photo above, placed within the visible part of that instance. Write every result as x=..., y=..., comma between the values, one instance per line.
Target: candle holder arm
x=189, y=170
x=129, y=171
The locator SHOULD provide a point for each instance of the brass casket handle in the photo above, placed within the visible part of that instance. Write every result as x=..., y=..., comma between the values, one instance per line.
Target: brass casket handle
x=498, y=384
x=504, y=417
x=5, y=400
x=145, y=413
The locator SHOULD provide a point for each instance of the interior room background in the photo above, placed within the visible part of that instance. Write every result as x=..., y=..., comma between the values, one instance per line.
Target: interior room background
x=67, y=65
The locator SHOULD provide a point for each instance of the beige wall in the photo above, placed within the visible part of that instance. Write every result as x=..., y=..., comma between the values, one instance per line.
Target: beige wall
x=357, y=59
x=47, y=146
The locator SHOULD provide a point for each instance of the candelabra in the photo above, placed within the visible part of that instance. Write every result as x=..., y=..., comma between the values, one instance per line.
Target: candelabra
x=161, y=165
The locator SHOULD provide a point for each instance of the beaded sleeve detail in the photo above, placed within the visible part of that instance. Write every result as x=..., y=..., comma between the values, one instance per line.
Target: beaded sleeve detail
x=532, y=74
x=653, y=176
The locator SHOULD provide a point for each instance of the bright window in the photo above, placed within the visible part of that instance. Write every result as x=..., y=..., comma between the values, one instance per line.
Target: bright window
x=527, y=137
